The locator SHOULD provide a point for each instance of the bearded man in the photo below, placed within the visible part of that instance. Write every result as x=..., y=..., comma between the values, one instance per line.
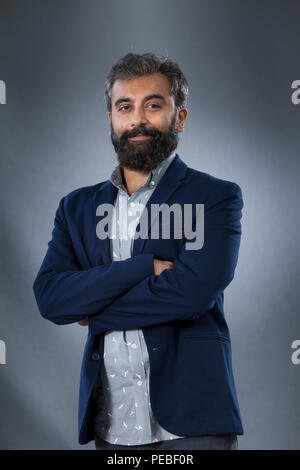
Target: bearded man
x=157, y=368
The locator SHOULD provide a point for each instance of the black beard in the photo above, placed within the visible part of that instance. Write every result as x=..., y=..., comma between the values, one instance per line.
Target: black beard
x=145, y=156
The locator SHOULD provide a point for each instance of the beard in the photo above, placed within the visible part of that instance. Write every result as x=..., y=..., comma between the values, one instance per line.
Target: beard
x=145, y=155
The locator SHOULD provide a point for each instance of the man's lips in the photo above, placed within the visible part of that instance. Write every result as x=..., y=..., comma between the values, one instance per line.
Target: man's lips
x=141, y=137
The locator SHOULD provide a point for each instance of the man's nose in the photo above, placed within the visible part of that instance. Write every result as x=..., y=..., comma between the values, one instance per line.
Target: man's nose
x=138, y=118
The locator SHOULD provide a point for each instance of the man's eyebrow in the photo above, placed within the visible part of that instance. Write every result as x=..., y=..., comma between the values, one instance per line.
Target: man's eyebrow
x=148, y=97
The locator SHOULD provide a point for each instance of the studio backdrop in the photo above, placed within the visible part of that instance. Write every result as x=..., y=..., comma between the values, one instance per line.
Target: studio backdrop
x=241, y=63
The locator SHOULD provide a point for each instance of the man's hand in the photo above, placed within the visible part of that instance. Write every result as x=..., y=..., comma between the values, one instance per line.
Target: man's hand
x=160, y=266
x=84, y=322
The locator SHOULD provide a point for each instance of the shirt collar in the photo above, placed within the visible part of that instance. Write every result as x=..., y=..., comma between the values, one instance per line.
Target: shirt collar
x=154, y=176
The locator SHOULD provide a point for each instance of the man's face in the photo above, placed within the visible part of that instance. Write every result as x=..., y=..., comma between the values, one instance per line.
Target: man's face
x=144, y=128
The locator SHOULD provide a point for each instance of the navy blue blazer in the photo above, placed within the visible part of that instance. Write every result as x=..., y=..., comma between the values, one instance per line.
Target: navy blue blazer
x=180, y=312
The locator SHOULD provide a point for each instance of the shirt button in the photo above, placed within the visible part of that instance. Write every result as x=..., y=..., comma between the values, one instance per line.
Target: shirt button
x=139, y=382
x=95, y=356
x=132, y=204
x=134, y=346
x=152, y=183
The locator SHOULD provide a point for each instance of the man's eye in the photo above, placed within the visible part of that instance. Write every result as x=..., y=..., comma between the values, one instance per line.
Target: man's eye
x=128, y=106
x=124, y=106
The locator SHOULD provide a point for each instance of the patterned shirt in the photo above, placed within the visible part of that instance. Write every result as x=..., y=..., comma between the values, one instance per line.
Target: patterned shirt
x=123, y=413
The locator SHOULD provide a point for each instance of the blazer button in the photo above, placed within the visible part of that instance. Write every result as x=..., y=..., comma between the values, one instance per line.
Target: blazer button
x=95, y=356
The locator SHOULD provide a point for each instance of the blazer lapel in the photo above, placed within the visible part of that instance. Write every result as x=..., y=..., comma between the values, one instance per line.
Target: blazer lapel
x=105, y=195
x=168, y=185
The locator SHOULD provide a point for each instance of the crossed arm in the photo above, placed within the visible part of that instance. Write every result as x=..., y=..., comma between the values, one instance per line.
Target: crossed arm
x=128, y=294
x=159, y=267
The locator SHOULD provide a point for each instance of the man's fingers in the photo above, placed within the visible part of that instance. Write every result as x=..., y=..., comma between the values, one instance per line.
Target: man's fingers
x=160, y=266
x=84, y=322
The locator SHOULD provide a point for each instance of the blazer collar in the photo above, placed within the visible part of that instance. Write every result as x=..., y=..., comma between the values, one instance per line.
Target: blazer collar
x=167, y=186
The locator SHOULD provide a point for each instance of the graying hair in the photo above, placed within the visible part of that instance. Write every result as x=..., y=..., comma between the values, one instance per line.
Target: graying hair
x=137, y=65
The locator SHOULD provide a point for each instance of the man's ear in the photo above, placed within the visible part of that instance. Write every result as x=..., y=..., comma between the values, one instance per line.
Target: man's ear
x=182, y=115
x=109, y=118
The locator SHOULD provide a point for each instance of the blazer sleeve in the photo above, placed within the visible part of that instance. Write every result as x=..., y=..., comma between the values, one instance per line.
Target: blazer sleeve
x=66, y=294
x=197, y=279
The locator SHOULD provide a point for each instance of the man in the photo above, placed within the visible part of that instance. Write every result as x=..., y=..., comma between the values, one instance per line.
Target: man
x=157, y=369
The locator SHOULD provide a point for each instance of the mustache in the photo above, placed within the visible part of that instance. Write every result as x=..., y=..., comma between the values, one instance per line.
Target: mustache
x=140, y=131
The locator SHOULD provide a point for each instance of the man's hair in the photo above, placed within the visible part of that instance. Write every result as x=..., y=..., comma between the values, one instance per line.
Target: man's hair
x=136, y=65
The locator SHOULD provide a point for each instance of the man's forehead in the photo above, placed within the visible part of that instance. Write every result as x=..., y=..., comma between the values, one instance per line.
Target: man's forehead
x=145, y=85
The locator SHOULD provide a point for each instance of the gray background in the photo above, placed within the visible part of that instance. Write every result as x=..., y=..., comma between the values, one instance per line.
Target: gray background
x=240, y=58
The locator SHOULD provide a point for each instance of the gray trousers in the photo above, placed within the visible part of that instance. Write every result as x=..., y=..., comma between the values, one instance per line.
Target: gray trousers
x=209, y=442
